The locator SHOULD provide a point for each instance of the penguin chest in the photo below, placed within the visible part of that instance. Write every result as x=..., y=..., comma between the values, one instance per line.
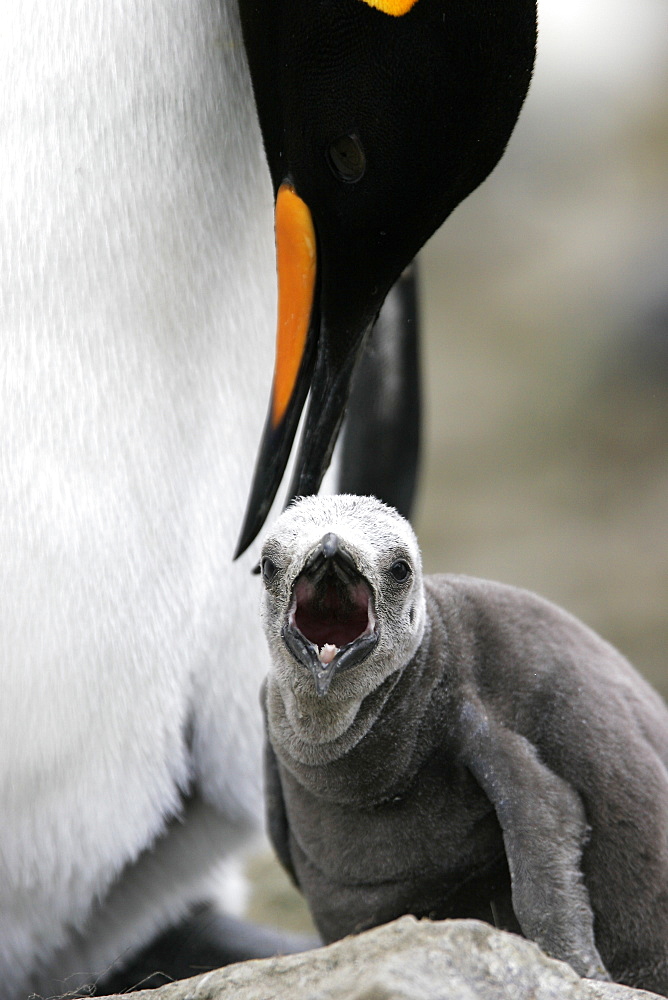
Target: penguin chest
x=361, y=864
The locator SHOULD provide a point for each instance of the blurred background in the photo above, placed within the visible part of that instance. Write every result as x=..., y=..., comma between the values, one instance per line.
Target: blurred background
x=545, y=349
x=545, y=361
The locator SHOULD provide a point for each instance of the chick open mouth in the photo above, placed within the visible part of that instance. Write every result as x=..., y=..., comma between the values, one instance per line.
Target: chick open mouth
x=331, y=623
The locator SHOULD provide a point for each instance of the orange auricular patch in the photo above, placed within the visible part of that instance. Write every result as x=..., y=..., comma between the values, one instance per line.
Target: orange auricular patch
x=296, y=268
x=395, y=8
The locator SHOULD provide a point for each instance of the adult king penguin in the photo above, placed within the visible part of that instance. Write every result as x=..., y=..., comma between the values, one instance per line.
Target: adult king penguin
x=137, y=290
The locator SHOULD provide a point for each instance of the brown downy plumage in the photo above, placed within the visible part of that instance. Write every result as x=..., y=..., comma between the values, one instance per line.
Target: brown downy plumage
x=470, y=750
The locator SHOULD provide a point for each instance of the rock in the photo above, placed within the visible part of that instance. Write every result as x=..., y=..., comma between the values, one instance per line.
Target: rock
x=405, y=960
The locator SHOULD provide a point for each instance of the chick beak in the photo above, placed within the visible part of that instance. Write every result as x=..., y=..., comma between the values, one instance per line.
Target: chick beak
x=331, y=624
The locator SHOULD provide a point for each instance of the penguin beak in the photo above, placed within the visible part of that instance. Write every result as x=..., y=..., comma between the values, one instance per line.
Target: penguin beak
x=308, y=356
x=331, y=625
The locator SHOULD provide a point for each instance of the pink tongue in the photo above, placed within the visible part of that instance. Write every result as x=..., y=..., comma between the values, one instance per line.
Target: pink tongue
x=327, y=653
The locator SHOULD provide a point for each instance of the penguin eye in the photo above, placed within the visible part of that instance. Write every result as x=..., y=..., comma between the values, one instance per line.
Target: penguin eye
x=400, y=570
x=269, y=569
x=346, y=159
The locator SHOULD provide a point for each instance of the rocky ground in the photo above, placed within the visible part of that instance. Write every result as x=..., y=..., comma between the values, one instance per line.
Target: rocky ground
x=404, y=960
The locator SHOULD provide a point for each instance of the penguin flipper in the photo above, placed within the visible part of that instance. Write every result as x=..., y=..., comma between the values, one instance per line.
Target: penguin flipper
x=277, y=818
x=381, y=435
x=531, y=803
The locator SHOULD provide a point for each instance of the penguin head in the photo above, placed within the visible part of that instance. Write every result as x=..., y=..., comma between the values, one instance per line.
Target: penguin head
x=378, y=118
x=343, y=605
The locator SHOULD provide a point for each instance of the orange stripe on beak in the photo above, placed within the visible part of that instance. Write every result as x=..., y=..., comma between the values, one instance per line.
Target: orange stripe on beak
x=296, y=266
x=395, y=8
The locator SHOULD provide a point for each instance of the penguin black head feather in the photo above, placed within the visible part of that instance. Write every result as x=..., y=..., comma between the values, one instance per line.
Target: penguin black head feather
x=379, y=117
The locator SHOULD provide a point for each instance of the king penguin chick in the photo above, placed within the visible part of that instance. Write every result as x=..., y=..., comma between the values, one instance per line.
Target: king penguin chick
x=453, y=747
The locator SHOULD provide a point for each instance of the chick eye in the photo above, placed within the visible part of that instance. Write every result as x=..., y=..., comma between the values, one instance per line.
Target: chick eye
x=346, y=159
x=400, y=570
x=269, y=569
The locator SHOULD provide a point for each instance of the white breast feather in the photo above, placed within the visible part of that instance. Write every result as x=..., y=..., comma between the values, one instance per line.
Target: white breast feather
x=136, y=335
